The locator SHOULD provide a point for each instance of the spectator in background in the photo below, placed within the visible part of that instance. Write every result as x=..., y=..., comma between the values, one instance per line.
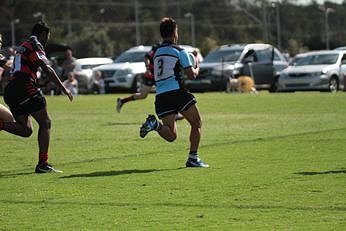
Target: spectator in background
x=51, y=87
x=6, y=67
x=71, y=83
x=68, y=64
x=57, y=68
x=98, y=84
x=11, y=53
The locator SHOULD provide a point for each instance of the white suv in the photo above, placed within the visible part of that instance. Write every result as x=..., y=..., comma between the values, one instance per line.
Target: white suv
x=83, y=71
x=126, y=71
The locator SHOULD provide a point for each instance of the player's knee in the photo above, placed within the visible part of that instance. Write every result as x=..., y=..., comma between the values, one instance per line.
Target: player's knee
x=46, y=124
x=26, y=132
x=196, y=124
x=172, y=138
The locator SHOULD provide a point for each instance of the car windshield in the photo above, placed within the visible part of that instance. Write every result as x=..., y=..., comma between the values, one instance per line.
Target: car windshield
x=222, y=56
x=90, y=66
x=317, y=59
x=131, y=57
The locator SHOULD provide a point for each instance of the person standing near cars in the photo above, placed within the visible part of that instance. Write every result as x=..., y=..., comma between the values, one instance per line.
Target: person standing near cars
x=68, y=64
x=24, y=97
x=71, y=83
x=171, y=97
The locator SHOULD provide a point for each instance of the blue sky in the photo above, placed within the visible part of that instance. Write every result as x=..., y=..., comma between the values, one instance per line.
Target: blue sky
x=319, y=1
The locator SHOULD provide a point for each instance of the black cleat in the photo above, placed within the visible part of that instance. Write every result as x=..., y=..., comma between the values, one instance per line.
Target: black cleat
x=45, y=168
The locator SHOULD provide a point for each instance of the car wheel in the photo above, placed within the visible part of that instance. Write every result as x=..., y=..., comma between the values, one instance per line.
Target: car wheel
x=333, y=85
x=274, y=86
x=136, y=84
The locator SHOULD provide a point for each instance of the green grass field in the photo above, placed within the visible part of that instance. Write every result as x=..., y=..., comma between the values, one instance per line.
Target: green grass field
x=277, y=163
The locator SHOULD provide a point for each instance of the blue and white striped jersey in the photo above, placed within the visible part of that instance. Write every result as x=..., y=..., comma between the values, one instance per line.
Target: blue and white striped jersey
x=168, y=61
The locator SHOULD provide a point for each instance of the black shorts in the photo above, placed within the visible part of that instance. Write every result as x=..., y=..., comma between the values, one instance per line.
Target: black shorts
x=148, y=81
x=173, y=102
x=23, y=97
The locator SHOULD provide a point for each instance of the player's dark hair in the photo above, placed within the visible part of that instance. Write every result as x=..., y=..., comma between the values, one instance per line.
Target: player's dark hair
x=38, y=28
x=167, y=27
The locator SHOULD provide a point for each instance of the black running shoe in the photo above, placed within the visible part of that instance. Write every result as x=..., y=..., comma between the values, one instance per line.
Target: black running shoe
x=45, y=168
x=149, y=125
x=119, y=105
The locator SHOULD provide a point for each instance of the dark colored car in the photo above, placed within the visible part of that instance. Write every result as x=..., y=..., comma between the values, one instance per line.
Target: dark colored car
x=262, y=62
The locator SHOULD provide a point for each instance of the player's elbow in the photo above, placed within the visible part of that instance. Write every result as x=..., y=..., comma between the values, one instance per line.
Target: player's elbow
x=192, y=73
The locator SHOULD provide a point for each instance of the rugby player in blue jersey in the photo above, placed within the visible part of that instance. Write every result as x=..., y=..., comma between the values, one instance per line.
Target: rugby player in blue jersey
x=171, y=97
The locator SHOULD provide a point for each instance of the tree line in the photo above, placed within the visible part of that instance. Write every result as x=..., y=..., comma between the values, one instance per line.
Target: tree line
x=108, y=27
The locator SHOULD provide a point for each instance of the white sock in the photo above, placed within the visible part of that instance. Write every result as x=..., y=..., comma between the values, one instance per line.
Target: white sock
x=193, y=156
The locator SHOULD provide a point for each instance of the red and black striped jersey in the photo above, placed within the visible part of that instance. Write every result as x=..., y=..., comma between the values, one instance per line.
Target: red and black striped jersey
x=30, y=55
x=150, y=57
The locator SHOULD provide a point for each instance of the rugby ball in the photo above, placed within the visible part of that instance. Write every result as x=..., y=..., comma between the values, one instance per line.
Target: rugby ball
x=193, y=60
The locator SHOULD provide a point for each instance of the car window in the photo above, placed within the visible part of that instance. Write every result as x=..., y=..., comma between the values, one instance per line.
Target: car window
x=222, y=56
x=264, y=55
x=276, y=56
x=131, y=57
x=90, y=66
x=294, y=61
x=318, y=59
x=343, y=60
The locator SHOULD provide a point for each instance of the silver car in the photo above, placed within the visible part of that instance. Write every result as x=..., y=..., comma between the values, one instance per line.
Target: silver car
x=317, y=70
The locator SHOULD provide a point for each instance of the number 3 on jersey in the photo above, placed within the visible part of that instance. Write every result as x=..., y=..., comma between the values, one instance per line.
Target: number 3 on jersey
x=159, y=67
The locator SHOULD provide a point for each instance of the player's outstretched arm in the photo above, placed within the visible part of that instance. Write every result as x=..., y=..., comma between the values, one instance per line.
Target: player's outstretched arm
x=7, y=63
x=53, y=76
x=192, y=72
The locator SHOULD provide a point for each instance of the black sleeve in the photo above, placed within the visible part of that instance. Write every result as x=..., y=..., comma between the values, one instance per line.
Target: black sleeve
x=3, y=62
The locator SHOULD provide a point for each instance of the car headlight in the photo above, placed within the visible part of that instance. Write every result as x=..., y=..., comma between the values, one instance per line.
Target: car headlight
x=316, y=74
x=228, y=73
x=237, y=68
x=324, y=72
x=283, y=75
x=216, y=72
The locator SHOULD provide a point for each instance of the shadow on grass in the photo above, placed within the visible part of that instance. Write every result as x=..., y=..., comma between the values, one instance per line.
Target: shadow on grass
x=341, y=171
x=136, y=205
x=120, y=124
x=115, y=173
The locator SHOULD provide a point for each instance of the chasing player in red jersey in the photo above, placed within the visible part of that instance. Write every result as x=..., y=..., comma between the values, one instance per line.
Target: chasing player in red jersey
x=25, y=99
x=148, y=80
